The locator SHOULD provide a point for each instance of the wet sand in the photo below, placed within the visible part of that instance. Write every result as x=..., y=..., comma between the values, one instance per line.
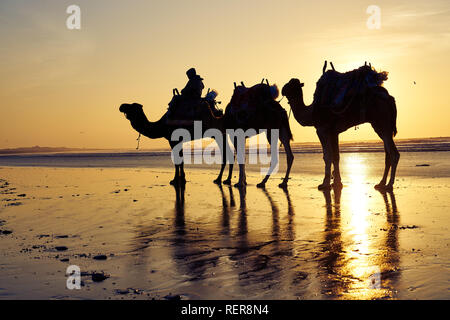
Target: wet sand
x=211, y=242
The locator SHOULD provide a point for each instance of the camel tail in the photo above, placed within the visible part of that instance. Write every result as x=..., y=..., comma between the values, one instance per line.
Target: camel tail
x=394, y=117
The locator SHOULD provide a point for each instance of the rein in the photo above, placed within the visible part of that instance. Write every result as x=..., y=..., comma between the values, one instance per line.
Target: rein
x=138, y=141
x=290, y=107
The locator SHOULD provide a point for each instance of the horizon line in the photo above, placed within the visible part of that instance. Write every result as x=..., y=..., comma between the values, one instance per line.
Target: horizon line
x=168, y=148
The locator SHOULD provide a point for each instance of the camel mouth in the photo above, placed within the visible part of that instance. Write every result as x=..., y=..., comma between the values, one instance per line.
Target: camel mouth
x=129, y=107
x=122, y=108
x=293, y=83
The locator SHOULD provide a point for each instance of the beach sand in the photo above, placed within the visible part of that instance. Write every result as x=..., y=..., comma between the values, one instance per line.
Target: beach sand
x=211, y=242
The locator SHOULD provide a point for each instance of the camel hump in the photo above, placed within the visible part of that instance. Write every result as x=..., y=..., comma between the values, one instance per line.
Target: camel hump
x=335, y=89
x=258, y=91
x=248, y=101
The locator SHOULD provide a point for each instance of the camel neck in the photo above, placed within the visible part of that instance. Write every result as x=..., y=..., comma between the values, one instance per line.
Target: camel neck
x=302, y=113
x=149, y=129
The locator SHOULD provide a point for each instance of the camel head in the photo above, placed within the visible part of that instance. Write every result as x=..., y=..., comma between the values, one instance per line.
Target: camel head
x=132, y=111
x=292, y=88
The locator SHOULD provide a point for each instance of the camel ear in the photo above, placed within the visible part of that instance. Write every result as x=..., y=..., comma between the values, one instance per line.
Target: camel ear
x=301, y=84
x=137, y=104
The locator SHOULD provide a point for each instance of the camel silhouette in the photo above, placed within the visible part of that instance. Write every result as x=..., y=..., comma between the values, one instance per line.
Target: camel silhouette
x=374, y=106
x=257, y=109
x=262, y=117
x=164, y=127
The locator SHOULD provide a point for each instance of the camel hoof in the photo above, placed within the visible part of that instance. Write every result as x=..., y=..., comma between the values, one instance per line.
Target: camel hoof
x=283, y=185
x=239, y=185
x=227, y=182
x=218, y=181
x=261, y=185
x=324, y=186
x=380, y=186
x=337, y=185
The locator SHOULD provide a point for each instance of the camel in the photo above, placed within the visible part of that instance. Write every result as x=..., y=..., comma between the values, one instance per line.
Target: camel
x=263, y=119
x=260, y=111
x=164, y=127
x=374, y=106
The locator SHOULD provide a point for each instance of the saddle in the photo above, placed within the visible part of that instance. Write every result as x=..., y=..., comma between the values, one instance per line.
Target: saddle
x=335, y=90
x=183, y=107
x=245, y=101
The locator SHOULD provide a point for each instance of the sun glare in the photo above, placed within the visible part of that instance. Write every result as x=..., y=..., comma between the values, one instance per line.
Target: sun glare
x=361, y=272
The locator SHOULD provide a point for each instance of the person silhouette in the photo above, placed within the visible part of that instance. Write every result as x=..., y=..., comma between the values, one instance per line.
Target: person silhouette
x=194, y=87
x=184, y=105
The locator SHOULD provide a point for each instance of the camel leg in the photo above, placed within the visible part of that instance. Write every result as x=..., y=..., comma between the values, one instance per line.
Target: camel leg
x=223, y=150
x=285, y=140
x=182, y=176
x=387, y=165
x=176, y=178
x=392, y=157
x=395, y=157
x=218, y=180
x=230, y=171
x=324, y=141
x=242, y=177
x=262, y=184
x=387, y=158
x=230, y=174
x=337, y=183
x=179, y=168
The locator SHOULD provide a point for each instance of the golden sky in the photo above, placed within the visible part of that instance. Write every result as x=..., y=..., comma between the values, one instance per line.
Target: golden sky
x=63, y=87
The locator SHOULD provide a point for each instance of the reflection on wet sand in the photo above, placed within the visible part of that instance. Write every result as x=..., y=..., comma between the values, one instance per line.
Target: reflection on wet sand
x=355, y=263
x=191, y=249
x=391, y=272
x=263, y=265
x=226, y=209
x=259, y=263
x=332, y=247
x=179, y=211
x=243, y=250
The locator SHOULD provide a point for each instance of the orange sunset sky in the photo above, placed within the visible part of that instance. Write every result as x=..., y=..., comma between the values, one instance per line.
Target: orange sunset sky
x=63, y=87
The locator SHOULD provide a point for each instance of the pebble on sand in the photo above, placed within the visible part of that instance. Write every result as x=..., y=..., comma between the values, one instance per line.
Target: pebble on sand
x=173, y=297
x=99, y=276
x=100, y=257
x=122, y=291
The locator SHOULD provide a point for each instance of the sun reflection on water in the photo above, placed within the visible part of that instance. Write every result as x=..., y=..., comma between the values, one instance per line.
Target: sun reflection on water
x=358, y=252
x=359, y=266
